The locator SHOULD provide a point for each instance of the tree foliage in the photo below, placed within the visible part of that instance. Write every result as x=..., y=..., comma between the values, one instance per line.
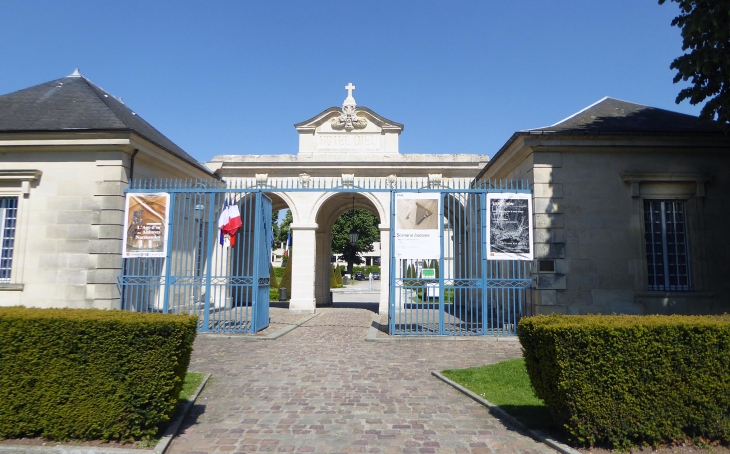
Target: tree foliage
x=366, y=225
x=283, y=229
x=705, y=26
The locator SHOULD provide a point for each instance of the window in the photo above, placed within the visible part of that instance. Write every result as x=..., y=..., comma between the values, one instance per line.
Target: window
x=8, y=217
x=667, y=255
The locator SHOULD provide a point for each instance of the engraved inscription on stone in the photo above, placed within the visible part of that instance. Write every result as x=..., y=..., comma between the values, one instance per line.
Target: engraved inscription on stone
x=339, y=142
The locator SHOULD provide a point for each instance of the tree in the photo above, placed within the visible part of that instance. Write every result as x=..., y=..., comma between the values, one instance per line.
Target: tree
x=275, y=227
x=366, y=225
x=282, y=232
x=705, y=26
x=283, y=229
x=286, y=278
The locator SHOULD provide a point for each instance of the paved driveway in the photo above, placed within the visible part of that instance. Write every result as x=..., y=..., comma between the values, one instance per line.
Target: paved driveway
x=322, y=388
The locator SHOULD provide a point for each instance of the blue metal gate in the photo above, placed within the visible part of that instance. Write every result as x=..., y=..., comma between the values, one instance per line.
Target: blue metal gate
x=225, y=281
x=459, y=292
x=452, y=288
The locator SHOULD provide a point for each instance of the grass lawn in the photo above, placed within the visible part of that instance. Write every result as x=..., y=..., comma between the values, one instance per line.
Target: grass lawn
x=191, y=383
x=506, y=385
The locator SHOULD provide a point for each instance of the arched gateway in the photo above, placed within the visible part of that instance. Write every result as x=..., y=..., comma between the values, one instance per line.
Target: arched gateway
x=352, y=148
x=435, y=277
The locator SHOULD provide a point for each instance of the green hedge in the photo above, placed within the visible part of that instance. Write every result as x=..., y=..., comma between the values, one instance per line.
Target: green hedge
x=632, y=380
x=90, y=374
x=366, y=269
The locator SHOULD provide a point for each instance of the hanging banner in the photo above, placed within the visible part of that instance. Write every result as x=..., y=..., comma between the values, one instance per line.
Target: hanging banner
x=509, y=226
x=417, y=225
x=145, y=225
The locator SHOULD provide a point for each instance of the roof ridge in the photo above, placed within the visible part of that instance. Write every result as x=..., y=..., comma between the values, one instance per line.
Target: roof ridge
x=96, y=89
x=566, y=118
x=580, y=111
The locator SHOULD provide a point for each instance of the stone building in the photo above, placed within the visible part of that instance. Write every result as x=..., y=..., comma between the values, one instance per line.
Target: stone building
x=67, y=151
x=630, y=210
x=629, y=201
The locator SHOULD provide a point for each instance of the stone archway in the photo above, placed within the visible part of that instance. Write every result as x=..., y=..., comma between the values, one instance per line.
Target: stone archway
x=330, y=208
x=340, y=150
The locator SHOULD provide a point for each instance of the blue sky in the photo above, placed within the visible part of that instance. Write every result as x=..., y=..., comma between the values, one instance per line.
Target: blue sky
x=232, y=77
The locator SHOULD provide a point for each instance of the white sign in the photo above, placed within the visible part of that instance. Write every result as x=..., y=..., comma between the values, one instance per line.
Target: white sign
x=145, y=225
x=417, y=218
x=509, y=226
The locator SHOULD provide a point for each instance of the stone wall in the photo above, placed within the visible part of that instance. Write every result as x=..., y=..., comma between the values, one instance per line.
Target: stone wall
x=68, y=243
x=589, y=226
x=68, y=237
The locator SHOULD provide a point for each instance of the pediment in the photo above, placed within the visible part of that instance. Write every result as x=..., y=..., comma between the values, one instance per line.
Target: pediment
x=323, y=122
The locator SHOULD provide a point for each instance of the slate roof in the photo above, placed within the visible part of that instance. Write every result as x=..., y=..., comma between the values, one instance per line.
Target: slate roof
x=611, y=115
x=74, y=103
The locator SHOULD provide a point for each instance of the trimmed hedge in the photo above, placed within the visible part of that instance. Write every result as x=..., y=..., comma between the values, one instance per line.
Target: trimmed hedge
x=632, y=380
x=333, y=278
x=90, y=374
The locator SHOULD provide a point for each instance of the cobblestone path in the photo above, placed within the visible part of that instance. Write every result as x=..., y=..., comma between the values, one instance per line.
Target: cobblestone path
x=322, y=388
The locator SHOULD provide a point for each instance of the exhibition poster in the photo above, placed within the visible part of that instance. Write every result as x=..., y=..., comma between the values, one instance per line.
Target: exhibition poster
x=145, y=225
x=417, y=218
x=509, y=226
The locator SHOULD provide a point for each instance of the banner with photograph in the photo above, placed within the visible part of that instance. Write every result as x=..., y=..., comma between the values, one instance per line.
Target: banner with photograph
x=509, y=226
x=417, y=217
x=145, y=225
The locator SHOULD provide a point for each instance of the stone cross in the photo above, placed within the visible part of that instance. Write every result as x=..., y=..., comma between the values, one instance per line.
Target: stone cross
x=349, y=89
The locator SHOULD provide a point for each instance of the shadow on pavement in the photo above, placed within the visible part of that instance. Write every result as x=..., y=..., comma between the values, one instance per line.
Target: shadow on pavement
x=372, y=307
x=191, y=418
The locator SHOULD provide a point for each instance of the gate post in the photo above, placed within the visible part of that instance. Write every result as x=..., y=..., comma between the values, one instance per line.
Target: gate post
x=256, y=233
x=384, y=305
x=168, y=258
x=212, y=225
x=391, y=260
x=442, y=217
x=486, y=309
x=303, y=267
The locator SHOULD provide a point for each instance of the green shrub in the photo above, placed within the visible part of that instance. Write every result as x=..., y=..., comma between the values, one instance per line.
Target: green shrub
x=626, y=380
x=366, y=269
x=279, y=271
x=333, y=278
x=273, y=281
x=339, y=272
x=90, y=374
x=435, y=265
x=285, y=281
x=411, y=280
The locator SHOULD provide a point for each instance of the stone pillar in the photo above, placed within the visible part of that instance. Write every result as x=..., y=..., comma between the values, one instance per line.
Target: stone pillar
x=384, y=269
x=304, y=244
x=107, y=220
x=322, y=282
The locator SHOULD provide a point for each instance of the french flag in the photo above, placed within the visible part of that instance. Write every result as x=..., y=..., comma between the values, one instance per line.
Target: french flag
x=229, y=222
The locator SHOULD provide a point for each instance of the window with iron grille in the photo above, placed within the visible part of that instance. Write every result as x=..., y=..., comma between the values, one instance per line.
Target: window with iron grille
x=667, y=256
x=8, y=216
